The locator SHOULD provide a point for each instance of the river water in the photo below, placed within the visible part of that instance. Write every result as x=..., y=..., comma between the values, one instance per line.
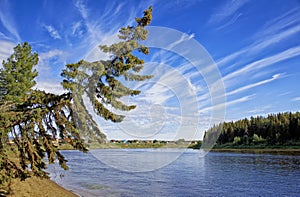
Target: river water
x=103, y=172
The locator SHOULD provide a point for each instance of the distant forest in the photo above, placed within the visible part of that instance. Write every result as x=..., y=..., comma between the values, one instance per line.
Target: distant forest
x=275, y=129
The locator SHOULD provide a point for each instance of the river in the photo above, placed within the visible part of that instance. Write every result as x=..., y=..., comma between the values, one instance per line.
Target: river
x=103, y=172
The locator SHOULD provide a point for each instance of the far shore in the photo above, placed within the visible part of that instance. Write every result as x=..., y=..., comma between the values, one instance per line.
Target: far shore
x=286, y=150
x=130, y=145
x=279, y=151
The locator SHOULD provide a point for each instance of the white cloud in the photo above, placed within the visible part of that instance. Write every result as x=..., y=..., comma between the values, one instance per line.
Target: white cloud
x=47, y=59
x=44, y=82
x=6, y=49
x=46, y=70
x=52, y=31
x=51, y=54
x=50, y=87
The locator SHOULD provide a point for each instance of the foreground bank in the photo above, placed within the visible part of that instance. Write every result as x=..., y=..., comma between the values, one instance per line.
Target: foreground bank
x=38, y=187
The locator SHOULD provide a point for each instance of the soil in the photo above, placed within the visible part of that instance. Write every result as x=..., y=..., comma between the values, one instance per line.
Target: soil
x=37, y=187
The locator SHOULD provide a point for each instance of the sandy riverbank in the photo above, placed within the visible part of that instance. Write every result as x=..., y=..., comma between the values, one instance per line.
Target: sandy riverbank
x=36, y=187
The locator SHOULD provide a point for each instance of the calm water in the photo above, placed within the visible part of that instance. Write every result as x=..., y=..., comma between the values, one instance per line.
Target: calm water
x=216, y=174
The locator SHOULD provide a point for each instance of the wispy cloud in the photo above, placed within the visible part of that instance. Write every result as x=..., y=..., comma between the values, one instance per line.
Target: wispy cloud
x=52, y=31
x=259, y=64
x=94, y=34
x=279, y=29
x=260, y=110
x=77, y=29
x=4, y=37
x=296, y=99
x=230, y=22
x=227, y=12
x=279, y=24
x=82, y=8
x=7, y=20
x=243, y=66
x=276, y=38
x=247, y=87
x=175, y=4
x=102, y=29
x=227, y=104
x=284, y=93
x=258, y=46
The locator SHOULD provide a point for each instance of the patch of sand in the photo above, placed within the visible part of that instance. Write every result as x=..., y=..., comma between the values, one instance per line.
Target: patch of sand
x=37, y=187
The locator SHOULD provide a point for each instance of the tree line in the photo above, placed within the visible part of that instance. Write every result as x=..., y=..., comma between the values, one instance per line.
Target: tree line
x=275, y=129
x=33, y=119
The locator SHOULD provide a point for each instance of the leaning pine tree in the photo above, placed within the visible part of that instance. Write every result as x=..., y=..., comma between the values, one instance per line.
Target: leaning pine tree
x=102, y=85
x=34, y=119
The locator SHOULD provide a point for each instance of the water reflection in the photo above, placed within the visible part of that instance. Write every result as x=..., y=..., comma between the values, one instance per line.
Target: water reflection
x=225, y=174
x=137, y=160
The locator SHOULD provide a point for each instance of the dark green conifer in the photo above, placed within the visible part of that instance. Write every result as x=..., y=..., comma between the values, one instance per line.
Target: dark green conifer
x=31, y=119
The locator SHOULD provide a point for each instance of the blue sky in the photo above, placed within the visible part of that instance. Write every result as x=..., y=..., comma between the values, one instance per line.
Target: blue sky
x=254, y=44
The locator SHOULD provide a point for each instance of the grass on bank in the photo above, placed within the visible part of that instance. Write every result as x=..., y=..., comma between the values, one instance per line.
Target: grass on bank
x=119, y=145
x=286, y=149
x=193, y=145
